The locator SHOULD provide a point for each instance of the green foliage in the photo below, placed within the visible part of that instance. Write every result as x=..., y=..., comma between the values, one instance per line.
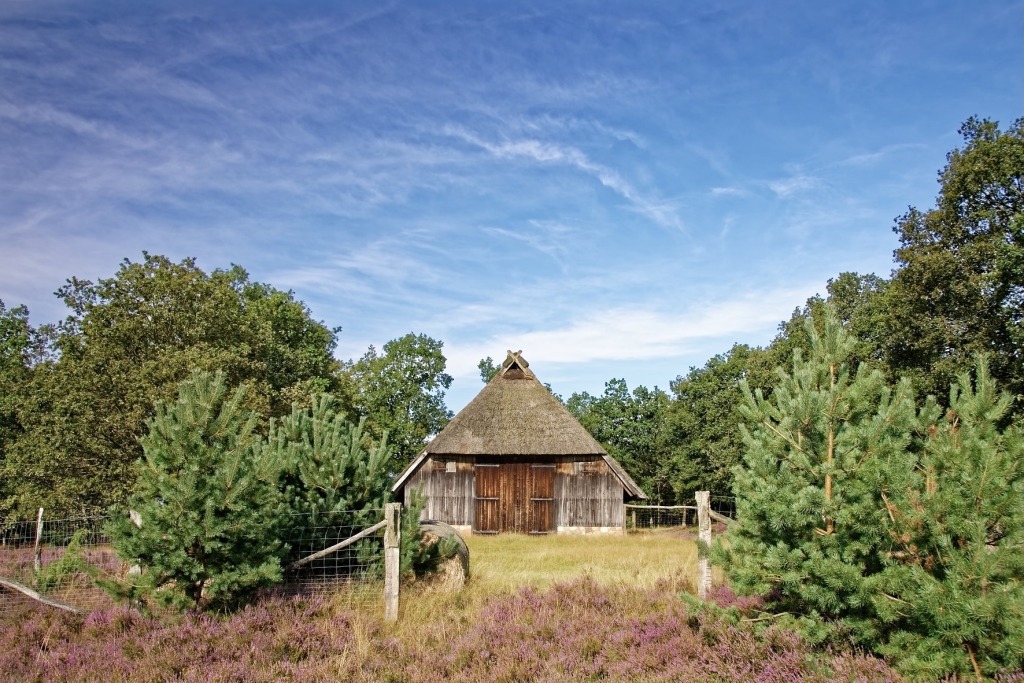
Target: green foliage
x=958, y=289
x=863, y=519
x=808, y=495
x=23, y=349
x=217, y=502
x=488, y=369
x=328, y=465
x=859, y=302
x=953, y=593
x=128, y=342
x=331, y=474
x=419, y=558
x=631, y=427
x=401, y=393
x=70, y=563
x=703, y=423
x=207, y=500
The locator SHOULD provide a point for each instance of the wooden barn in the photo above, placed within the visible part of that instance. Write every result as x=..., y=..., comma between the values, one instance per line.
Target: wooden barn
x=515, y=460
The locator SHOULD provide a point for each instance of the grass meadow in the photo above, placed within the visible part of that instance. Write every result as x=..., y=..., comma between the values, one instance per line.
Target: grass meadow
x=566, y=608
x=507, y=562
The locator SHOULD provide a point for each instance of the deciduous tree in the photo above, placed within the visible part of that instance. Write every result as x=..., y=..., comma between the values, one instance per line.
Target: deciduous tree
x=631, y=426
x=127, y=343
x=703, y=423
x=959, y=285
x=400, y=392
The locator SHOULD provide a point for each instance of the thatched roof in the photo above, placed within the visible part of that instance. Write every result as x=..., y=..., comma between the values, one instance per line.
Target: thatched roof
x=516, y=415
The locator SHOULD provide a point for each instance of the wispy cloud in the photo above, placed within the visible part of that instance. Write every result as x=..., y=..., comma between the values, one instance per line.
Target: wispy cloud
x=872, y=158
x=550, y=238
x=548, y=122
x=566, y=179
x=661, y=212
x=787, y=187
x=729, y=192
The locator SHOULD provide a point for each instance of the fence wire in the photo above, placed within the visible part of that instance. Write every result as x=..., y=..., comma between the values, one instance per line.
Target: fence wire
x=352, y=575
x=67, y=557
x=640, y=517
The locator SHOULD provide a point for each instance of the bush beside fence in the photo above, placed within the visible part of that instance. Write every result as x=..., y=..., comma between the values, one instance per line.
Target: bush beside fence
x=62, y=559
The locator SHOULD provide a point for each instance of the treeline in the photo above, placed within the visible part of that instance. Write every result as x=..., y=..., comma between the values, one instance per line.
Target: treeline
x=75, y=396
x=957, y=289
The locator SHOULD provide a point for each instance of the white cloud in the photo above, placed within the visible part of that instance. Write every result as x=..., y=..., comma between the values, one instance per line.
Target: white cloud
x=728, y=192
x=635, y=333
x=547, y=237
x=871, y=158
x=786, y=187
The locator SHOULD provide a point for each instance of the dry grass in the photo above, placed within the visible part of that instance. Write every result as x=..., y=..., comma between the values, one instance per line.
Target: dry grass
x=507, y=562
x=503, y=564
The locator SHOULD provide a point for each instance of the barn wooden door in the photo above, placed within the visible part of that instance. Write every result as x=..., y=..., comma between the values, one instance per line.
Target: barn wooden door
x=542, y=498
x=487, y=516
x=514, y=496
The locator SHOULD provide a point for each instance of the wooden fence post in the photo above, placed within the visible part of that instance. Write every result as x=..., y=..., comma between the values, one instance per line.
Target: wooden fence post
x=137, y=521
x=392, y=540
x=39, y=538
x=704, y=535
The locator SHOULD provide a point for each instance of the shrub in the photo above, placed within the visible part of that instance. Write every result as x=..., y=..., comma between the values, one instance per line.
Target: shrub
x=206, y=500
x=865, y=521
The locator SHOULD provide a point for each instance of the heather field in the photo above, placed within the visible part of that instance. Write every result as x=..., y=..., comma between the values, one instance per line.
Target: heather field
x=547, y=609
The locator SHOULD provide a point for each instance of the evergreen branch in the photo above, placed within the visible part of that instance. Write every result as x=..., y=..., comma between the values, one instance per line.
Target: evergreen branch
x=782, y=436
x=899, y=600
x=974, y=662
x=888, y=507
x=768, y=617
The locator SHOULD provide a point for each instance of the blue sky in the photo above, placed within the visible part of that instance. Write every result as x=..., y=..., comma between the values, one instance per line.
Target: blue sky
x=619, y=189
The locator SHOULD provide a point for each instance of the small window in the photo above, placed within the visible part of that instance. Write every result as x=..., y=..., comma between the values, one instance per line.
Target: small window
x=449, y=467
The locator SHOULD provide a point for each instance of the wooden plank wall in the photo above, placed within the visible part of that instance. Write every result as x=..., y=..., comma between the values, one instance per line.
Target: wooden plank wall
x=449, y=487
x=586, y=492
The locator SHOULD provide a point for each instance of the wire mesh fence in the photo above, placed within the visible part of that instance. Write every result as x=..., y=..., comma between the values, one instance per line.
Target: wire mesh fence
x=58, y=558
x=352, y=575
x=640, y=517
x=66, y=560
x=724, y=505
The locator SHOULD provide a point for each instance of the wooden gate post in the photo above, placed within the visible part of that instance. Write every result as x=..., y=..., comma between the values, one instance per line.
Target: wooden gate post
x=704, y=546
x=392, y=540
x=39, y=538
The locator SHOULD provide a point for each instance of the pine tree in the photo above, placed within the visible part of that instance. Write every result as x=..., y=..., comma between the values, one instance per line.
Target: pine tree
x=808, y=494
x=953, y=594
x=329, y=465
x=333, y=474
x=334, y=479
x=207, y=501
